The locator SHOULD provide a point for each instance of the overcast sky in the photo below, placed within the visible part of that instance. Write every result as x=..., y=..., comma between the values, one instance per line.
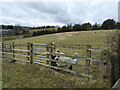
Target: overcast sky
x=57, y=13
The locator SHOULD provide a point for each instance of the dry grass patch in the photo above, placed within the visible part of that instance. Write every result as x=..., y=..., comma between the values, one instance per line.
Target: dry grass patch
x=63, y=36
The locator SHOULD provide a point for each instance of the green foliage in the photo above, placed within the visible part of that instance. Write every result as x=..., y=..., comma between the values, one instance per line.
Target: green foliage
x=80, y=37
x=17, y=30
x=6, y=26
x=113, y=56
x=16, y=75
x=109, y=24
x=86, y=26
x=37, y=31
x=113, y=41
x=118, y=25
x=96, y=27
x=77, y=27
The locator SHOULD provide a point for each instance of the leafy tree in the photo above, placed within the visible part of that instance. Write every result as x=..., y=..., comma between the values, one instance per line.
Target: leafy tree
x=59, y=29
x=7, y=26
x=96, y=27
x=69, y=27
x=118, y=25
x=87, y=26
x=109, y=24
x=18, y=30
x=64, y=29
x=35, y=33
x=26, y=33
x=77, y=27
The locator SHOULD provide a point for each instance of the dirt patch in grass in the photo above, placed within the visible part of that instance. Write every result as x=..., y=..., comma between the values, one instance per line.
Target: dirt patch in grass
x=63, y=36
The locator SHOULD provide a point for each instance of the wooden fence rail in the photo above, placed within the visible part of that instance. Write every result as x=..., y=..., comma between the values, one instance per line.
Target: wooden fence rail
x=38, y=53
x=41, y=55
x=10, y=49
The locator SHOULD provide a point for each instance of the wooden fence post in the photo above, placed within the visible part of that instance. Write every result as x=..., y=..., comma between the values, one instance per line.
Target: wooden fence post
x=28, y=47
x=10, y=48
x=31, y=53
x=13, y=51
x=47, y=50
x=106, y=66
x=88, y=55
x=50, y=51
x=3, y=50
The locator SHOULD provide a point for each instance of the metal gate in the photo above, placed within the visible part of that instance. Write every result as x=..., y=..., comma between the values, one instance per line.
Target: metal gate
x=42, y=54
x=39, y=54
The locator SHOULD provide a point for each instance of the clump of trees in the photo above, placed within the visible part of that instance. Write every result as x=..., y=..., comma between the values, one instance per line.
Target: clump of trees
x=43, y=27
x=43, y=32
x=6, y=26
x=109, y=24
x=14, y=32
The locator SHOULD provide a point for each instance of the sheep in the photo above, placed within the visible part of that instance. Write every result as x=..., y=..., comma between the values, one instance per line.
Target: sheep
x=66, y=59
x=61, y=59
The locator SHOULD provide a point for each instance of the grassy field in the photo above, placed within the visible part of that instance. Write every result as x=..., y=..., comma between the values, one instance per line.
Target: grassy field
x=69, y=38
x=35, y=76
x=20, y=75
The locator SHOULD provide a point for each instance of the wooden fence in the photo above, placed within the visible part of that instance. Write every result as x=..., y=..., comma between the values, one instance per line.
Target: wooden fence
x=38, y=53
x=10, y=49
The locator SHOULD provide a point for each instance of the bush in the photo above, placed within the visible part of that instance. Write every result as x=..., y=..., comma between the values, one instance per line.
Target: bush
x=113, y=54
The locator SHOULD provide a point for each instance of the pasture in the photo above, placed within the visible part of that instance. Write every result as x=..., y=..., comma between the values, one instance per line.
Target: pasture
x=95, y=38
x=36, y=76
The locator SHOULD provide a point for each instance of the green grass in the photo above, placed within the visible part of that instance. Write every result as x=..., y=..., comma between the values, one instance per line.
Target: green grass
x=11, y=37
x=36, y=76
x=82, y=38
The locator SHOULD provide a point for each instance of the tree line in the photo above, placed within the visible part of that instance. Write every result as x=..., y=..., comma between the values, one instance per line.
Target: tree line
x=107, y=24
x=19, y=30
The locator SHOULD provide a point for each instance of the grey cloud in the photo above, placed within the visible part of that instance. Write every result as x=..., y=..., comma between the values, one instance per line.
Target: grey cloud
x=37, y=13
